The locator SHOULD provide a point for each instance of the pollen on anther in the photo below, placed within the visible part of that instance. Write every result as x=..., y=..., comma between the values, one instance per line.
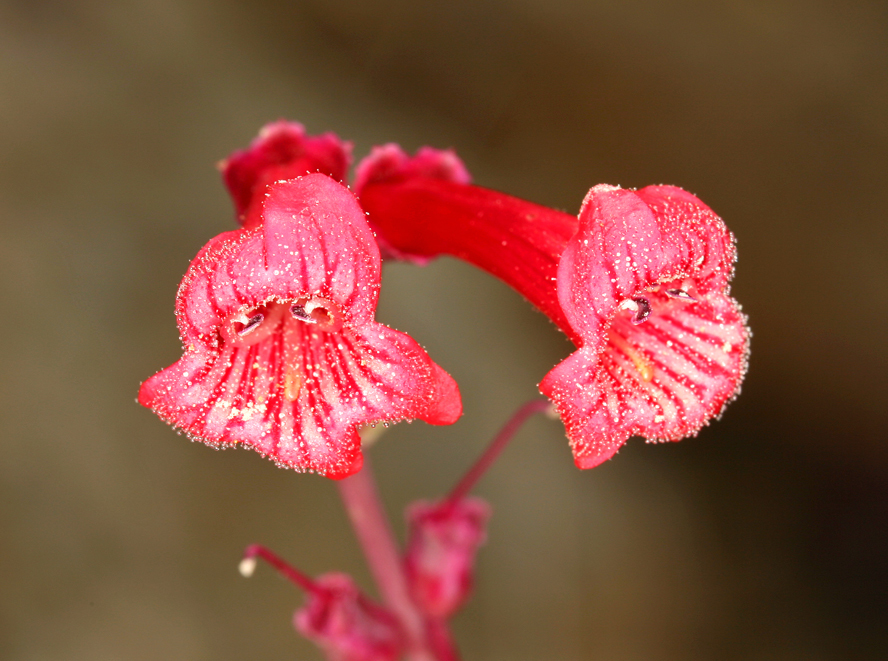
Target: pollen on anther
x=299, y=312
x=251, y=324
x=680, y=294
x=643, y=311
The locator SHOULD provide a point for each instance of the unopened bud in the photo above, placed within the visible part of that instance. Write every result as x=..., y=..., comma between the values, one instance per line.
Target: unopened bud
x=441, y=549
x=346, y=624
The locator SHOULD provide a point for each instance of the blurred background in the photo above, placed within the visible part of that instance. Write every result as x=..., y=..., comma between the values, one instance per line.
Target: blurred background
x=763, y=538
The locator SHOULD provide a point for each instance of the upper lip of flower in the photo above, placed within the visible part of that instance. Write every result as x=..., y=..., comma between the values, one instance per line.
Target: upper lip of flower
x=281, y=349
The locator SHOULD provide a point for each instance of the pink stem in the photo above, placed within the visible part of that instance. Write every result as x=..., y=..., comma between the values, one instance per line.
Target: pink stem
x=361, y=500
x=284, y=569
x=497, y=445
x=440, y=641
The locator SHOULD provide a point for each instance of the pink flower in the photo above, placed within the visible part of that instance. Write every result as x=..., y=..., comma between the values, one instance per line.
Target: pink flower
x=443, y=539
x=639, y=283
x=644, y=283
x=282, y=353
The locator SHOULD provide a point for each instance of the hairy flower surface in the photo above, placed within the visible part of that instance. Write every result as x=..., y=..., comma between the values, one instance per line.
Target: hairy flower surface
x=282, y=353
x=644, y=283
x=639, y=283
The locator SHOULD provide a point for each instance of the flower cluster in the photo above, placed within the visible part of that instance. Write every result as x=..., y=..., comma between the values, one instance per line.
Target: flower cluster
x=282, y=352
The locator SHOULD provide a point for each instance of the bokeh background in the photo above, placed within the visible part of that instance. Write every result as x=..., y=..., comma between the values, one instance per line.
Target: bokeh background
x=763, y=538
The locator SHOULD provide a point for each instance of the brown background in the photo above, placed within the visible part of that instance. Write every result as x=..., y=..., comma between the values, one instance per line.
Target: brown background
x=764, y=538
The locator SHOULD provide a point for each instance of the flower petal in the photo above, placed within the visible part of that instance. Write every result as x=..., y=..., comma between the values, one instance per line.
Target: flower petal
x=317, y=240
x=298, y=396
x=281, y=151
x=389, y=161
x=629, y=242
x=664, y=379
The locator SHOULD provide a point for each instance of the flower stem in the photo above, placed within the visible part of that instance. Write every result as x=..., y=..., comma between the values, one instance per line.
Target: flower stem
x=362, y=503
x=497, y=445
x=440, y=641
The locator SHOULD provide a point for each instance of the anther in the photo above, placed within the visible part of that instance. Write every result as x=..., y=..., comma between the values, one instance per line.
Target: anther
x=317, y=311
x=639, y=307
x=680, y=294
x=251, y=324
x=298, y=312
x=643, y=311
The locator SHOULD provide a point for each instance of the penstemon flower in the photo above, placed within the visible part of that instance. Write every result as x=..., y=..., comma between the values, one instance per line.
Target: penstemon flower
x=644, y=283
x=282, y=353
x=639, y=283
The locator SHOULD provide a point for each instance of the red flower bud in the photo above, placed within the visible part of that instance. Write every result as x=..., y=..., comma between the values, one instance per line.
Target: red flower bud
x=443, y=539
x=347, y=625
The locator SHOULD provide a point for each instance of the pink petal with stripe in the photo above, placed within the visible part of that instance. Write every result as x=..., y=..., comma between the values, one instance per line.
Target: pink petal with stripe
x=644, y=283
x=281, y=350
